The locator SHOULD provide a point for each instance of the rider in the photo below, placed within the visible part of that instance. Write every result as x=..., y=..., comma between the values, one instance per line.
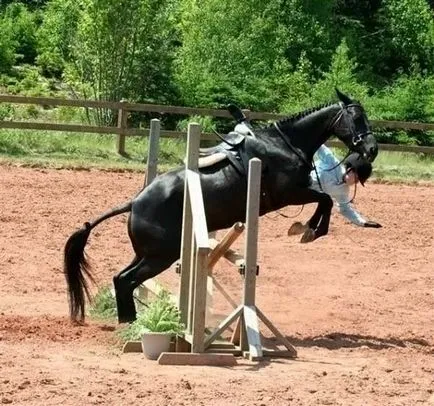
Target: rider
x=336, y=180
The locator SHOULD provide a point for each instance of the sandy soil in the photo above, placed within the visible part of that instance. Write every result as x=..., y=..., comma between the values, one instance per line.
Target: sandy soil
x=358, y=305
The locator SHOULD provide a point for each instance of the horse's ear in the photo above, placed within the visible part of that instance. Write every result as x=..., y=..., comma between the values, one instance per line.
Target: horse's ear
x=343, y=98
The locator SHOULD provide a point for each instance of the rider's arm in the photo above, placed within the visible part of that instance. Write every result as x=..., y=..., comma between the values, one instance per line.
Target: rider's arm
x=348, y=211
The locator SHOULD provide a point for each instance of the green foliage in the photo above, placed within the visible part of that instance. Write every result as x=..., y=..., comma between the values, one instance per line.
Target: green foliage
x=7, y=45
x=160, y=316
x=27, y=80
x=31, y=4
x=410, y=28
x=23, y=31
x=207, y=123
x=103, y=305
x=409, y=98
x=57, y=34
x=341, y=75
x=117, y=50
x=223, y=59
x=281, y=56
x=6, y=111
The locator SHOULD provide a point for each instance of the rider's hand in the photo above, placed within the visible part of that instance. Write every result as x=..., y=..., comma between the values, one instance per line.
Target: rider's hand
x=372, y=224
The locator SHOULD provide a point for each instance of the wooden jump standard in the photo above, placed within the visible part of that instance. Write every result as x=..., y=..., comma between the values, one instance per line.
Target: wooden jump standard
x=195, y=250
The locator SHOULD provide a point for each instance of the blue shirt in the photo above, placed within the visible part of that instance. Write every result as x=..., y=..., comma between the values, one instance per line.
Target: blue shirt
x=333, y=184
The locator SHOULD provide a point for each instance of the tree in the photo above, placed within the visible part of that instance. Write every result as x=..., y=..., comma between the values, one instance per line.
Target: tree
x=243, y=51
x=341, y=75
x=57, y=35
x=113, y=49
x=22, y=27
x=409, y=33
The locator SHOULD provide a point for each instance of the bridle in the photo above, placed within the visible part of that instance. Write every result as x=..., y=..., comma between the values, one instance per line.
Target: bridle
x=357, y=138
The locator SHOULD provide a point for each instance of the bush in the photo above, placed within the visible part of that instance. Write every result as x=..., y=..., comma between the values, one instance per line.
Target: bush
x=6, y=111
x=409, y=98
x=7, y=45
x=103, y=305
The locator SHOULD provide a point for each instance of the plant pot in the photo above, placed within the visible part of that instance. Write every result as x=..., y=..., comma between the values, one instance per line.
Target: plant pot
x=153, y=344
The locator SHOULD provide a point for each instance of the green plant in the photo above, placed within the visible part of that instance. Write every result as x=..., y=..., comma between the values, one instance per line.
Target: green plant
x=103, y=305
x=342, y=74
x=160, y=316
x=6, y=111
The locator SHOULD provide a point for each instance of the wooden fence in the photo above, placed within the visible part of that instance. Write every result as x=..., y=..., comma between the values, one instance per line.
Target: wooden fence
x=123, y=108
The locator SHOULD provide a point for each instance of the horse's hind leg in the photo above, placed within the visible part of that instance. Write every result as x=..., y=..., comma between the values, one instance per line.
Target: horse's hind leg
x=119, y=303
x=131, y=277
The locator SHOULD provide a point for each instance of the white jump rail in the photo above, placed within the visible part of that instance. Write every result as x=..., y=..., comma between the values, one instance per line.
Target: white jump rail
x=194, y=248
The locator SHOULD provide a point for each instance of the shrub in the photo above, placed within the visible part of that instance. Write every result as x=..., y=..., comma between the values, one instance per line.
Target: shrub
x=103, y=305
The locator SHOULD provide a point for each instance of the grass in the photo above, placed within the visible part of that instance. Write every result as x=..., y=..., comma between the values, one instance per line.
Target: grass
x=71, y=150
x=85, y=151
x=401, y=167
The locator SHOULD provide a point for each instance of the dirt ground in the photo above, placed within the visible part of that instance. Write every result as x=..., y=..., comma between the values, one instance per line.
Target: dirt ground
x=358, y=305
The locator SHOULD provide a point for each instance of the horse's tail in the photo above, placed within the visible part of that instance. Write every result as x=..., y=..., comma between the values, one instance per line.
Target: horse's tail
x=76, y=267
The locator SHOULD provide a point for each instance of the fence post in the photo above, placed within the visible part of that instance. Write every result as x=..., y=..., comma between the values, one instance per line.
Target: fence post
x=122, y=125
x=154, y=143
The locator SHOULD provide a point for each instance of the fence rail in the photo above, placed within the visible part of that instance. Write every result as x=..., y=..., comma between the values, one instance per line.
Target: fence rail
x=123, y=108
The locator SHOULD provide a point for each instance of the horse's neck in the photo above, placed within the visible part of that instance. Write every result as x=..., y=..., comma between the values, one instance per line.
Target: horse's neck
x=312, y=131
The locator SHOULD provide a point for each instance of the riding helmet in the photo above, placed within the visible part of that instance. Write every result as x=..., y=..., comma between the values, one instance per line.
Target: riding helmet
x=360, y=165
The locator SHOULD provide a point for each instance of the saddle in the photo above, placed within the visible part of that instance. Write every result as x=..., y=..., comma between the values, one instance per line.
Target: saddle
x=231, y=144
x=239, y=146
x=228, y=149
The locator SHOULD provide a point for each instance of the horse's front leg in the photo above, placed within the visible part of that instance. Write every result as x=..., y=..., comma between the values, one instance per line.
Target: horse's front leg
x=318, y=224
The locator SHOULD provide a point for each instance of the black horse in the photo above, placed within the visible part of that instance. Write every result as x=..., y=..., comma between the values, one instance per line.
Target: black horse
x=286, y=149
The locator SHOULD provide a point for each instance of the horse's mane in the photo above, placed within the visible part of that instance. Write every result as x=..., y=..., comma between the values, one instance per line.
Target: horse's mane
x=297, y=116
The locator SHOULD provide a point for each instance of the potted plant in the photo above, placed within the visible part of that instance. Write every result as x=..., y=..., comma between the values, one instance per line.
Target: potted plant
x=156, y=325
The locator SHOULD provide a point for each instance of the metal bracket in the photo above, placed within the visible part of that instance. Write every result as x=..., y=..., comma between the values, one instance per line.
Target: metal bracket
x=242, y=269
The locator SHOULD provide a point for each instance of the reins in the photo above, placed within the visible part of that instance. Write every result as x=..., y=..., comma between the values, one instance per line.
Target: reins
x=290, y=146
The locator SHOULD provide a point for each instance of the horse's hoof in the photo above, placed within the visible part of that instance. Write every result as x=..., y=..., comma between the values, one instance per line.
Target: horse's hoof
x=308, y=236
x=297, y=228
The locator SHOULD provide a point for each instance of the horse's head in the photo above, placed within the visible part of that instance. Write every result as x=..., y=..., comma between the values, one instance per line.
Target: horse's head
x=352, y=128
